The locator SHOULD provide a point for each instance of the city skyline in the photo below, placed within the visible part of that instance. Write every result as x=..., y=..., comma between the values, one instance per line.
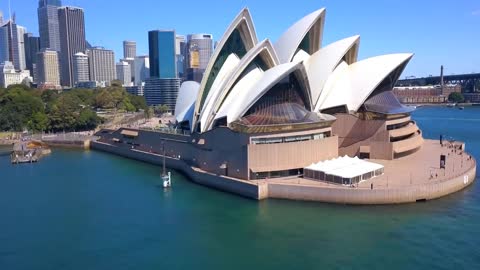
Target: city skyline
x=390, y=27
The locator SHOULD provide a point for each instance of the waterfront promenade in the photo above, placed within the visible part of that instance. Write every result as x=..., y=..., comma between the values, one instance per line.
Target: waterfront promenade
x=413, y=178
x=410, y=179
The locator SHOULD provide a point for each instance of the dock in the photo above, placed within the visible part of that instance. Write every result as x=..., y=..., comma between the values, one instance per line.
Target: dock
x=28, y=152
x=28, y=156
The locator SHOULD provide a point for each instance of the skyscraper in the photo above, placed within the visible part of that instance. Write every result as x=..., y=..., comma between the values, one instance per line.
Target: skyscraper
x=142, y=69
x=80, y=68
x=32, y=47
x=131, y=63
x=12, y=45
x=124, y=73
x=161, y=46
x=72, y=40
x=101, y=65
x=4, y=43
x=48, y=24
x=200, y=49
x=180, y=46
x=163, y=84
x=159, y=91
x=129, y=49
x=47, y=69
x=198, y=52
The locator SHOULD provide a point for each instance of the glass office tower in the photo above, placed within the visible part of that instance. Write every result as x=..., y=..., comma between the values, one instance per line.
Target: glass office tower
x=162, y=54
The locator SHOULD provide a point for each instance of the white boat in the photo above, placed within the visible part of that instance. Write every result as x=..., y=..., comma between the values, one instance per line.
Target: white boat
x=166, y=177
x=167, y=180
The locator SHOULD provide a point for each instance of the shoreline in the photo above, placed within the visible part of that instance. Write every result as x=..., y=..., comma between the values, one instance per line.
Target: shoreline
x=300, y=189
x=442, y=105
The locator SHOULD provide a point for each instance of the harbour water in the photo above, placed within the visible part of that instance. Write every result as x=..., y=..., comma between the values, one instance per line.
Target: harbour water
x=91, y=210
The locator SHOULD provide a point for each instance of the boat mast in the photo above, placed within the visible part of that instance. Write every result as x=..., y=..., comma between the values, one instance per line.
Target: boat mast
x=164, y=169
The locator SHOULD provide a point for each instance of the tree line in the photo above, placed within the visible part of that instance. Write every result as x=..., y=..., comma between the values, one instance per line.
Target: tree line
x=23, y=108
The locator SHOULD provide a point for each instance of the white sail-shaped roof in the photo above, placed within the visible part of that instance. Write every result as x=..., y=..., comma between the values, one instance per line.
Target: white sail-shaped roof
x=231, y=102
x=243, y=26
x=265, y=51
x=227, y=69
x=187, y=95
x=361, y=79
x=301, y=55
x=322, y=64
x=288, y=44
x=338, y=74
x=242, y=70
x=246, y=99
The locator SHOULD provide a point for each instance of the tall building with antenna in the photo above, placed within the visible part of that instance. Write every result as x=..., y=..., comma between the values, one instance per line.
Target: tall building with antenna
x=12, y=44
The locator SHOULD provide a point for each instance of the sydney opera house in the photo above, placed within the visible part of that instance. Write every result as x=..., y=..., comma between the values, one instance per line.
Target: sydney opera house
x=276, y=110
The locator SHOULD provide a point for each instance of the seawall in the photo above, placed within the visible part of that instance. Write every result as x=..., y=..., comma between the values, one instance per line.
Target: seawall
x=81, y=144
x=363, y=196
x=235, y=186
x=260, y=190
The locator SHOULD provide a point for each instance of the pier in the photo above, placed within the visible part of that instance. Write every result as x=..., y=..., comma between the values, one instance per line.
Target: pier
x=28, y=156
x=28, y=152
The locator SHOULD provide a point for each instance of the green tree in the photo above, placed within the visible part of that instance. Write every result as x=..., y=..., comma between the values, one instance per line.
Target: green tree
x=64, y=113
x=138, y=102
x=116, y=83
x=161, y=109
x=40, y=110
x=86, y=96
x=104, y=100
x=127, y=105
x=39, y=122
x=87, y=120
x=456, y=97
x=49, y=96
x=118, y=95
x=17, y=107
x=149, y=113
x=19, y=87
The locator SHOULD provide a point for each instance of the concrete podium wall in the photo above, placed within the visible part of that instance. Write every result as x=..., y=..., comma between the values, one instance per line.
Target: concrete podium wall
x=345, y=195
x=242, y=188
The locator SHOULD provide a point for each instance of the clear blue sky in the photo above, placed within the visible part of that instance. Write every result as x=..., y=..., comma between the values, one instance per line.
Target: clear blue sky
x=438, y=32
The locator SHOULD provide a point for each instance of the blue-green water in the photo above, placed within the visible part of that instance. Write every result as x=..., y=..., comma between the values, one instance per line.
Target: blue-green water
x=91, y=210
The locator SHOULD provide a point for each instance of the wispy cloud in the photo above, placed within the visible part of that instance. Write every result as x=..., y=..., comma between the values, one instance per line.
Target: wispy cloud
x=476, y=12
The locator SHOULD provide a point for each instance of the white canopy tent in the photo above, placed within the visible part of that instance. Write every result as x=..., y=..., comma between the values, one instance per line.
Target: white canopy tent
x=343, y=170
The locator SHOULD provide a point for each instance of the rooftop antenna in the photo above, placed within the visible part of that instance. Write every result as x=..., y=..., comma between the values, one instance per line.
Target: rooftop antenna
x=11, y=30
x=10, y=9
